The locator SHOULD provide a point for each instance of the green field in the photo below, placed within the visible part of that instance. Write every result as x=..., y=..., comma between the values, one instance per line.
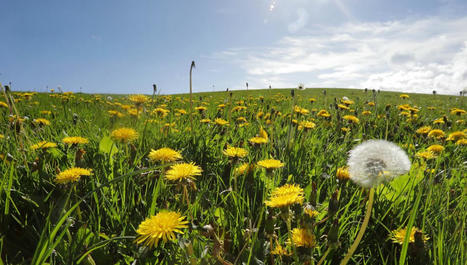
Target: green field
x=226, y=214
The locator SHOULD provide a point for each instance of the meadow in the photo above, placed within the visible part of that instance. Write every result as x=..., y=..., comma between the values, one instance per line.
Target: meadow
x=251, y=177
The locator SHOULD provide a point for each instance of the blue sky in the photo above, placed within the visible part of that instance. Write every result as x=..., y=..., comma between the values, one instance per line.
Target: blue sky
x=117, y=46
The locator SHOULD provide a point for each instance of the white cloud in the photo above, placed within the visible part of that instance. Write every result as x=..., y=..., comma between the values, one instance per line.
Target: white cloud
x=406, y=55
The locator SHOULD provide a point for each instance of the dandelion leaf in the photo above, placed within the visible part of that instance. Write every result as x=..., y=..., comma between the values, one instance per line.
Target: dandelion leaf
x=107, y=146
x=401, y=187
x=220, y=215
x=55, y=152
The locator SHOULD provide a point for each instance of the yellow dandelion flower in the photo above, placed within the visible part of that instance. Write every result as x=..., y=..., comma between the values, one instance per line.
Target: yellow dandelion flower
x=311, y=100
x=404, y=96
x=345, y=129
x=115, y=113
x=302, y=238
x=300, y=110
x=371, y=104
x=423, y=130
x=426, y=155
x=235, y=152
x=3, y=104
x=285, y=196
x=72, y=175
x=310, y=211
x=126, y=107
x=324, y=113
x=241, y=120
x=263, y=133
x=398, y=236
x=221, y=122
x=342, y=106
x=133, y=112
x=238, y=108
x=164, y=155
x=160, y=112
x=343, y=173
x=456, y=111
x=405, y=113
x=438, y=121
x=270, y=163
x=124, y=134
x=306, y=125
x=259, y=115
x=280, y=251
x=461, y=142
x=351, y=119
x=436, y=133
x=408, y=146
x=201, y=108
x=413, y=110
x=405, y=107
x=183, y=171
x=45, y=112
x=138, y=99
x=205, y=121
x=244, y=168
x=43, y=145
x=366, y=112
x=163, y=226
x=2, y=136
x=435, y=148
x=258, y=140
x=41, y=121
x=454, y=136
x=75, y=140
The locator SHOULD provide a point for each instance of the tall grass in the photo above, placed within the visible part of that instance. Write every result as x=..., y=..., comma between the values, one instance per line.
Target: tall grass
x=94, y=220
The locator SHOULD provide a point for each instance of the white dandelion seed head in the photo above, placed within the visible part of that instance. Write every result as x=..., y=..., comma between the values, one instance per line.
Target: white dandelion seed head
x=376, y=161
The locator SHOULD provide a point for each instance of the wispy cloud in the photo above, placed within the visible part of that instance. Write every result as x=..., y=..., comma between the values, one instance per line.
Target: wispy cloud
x=410, y=55
x=302, y=19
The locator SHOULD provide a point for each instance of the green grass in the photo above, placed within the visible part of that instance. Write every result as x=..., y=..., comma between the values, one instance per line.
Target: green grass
x=94, y=220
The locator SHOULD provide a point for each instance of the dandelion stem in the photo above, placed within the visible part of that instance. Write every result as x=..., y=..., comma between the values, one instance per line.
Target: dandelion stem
x=187, y=199
x=288, y=222
x=191, y=97
x=362, y=228
x=324, y=256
